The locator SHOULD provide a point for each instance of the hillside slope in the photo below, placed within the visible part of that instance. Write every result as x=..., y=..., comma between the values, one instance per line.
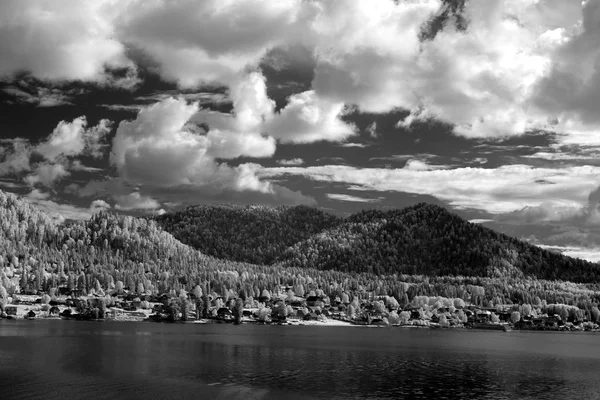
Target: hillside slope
x=422, y=239
x=429, y=240
x=254, y=234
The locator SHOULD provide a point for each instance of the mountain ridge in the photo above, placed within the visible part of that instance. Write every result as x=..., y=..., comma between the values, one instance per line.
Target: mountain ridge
x=423, y=239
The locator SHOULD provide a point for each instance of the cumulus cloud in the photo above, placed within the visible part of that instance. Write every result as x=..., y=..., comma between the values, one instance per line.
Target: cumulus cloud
x=135, y=201
x=161, y=150
x=307, y=118
x=504, y=74
x=570, y=91
x=67, y=40
x=59, y=152
x=205, y=42
x=99, y=205
x=73, y=139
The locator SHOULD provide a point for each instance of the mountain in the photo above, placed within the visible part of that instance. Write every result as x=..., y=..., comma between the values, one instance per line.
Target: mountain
x=422, y=251
x=419, y=240
x=254, y=234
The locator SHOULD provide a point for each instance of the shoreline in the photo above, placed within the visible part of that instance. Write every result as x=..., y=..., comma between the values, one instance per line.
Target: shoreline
x=329, y=323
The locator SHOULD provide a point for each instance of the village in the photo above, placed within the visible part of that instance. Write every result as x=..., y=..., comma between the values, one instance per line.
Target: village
x=286, y=308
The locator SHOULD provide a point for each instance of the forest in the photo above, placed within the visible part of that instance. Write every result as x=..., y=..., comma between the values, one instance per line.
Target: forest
x=240, y=252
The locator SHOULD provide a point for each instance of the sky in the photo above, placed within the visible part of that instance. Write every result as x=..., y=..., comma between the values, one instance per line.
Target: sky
x=487, y=107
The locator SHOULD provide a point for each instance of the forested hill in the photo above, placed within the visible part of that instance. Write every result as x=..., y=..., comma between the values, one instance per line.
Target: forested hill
x=423, y=239
x=254, y=234
x=112, y=252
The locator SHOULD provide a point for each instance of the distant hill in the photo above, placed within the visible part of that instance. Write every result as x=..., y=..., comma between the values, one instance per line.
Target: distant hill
x=254, y=234
x=423, y=239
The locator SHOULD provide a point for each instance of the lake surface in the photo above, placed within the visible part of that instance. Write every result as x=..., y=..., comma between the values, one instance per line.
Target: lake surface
x=127, y=360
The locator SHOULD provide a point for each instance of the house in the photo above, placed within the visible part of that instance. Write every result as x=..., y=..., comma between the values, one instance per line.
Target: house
x=312, y=301
x=298, y=303
x=10, y=310
x=66, y=313
x=224, y=313
x=311, y=317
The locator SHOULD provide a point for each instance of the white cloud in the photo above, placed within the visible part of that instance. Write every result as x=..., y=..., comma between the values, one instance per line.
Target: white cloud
x=47, y=174
x=209, y=41
x=99, y=205
x=499, y=190
x=307, y=118
x=66, y=40
x=519, y=65
x=123, y=107
x=57, y=211
x=157, y=149
x=292, y=161
x=588, y=254
x=480, y=220
x=16, y=160
x=73, y=139
x=200, y=97
x=350, y=198
x=135, y=201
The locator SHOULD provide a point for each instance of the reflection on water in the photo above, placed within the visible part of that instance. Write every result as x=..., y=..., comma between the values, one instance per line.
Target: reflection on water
x=59, y=359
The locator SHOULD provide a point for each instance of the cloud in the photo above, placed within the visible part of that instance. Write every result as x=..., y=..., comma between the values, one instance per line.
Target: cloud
x=59, y=152
x=372, y=130
x=162, y=152
x=588, y=254
x=292, y=161
x=47, y=174
x=544, y=212
x=73, y=139
x=495, y=190
x=570, y=90
x=350, y=198
x=197, y=42
x=57, y=211
x=16, y=160
x=43, y=97
x=502, y=72
x=200, y=97
x=93, y=188
x=480, y=220
x=76, y=165
x=99, y=205
x=135, y=201
x=307, y=118
x=67, y=40
x=123, y=107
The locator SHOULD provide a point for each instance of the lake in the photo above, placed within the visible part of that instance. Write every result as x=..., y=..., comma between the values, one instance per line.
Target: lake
x=55, y=359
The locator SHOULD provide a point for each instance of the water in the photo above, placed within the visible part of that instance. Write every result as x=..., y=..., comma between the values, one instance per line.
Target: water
x=121, y=360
